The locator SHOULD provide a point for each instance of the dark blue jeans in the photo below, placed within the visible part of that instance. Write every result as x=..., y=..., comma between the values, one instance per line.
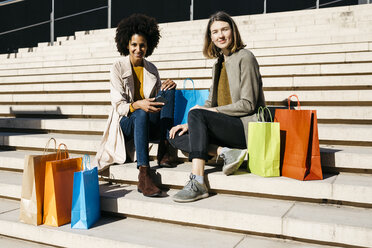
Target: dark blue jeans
x=144, y=127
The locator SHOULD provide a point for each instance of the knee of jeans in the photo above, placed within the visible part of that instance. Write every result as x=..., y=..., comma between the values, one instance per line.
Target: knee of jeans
x=194, y=115
x=141, y=115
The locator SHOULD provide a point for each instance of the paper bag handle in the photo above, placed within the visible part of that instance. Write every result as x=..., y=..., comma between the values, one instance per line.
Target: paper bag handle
x=85, y=163
x=289, y=102
x=48, y=143
x=59, y=152
x=261, y=114
x=192, y=81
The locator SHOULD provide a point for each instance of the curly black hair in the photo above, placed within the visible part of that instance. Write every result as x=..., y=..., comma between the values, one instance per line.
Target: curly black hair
x=137, y=24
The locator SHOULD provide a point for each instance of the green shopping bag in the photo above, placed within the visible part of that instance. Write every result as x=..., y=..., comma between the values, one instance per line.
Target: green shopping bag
x=264, y=146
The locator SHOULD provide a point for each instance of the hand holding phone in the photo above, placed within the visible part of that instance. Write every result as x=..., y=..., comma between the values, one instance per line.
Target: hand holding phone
x=161, y=99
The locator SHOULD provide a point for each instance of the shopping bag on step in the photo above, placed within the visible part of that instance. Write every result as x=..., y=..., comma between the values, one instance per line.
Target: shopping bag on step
x=59, y=175
x=85, y=197
x=185, y=100
x=300, y=143
x=33, y=179
x=264, y=146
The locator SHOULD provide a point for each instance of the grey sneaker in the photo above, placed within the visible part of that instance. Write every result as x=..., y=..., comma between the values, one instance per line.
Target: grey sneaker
x=232, y=159
x=191, y=192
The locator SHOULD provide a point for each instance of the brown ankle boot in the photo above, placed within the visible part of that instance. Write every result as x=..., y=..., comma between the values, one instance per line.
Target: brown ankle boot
x=146, y=186
x=165, y=156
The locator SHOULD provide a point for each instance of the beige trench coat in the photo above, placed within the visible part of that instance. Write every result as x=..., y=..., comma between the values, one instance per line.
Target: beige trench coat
x=113, y=148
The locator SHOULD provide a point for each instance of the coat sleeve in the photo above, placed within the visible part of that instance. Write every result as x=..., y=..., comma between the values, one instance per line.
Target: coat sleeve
x=119, y=92
x=250, y=85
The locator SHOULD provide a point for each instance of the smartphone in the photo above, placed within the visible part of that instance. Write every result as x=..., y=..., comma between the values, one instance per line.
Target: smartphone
x=161, y=99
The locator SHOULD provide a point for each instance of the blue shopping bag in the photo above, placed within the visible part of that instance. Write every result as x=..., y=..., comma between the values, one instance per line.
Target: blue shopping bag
x=85, y=197
x=185, y=100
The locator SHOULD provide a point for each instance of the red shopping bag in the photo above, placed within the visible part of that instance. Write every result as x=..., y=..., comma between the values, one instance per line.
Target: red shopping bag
x=300, y=141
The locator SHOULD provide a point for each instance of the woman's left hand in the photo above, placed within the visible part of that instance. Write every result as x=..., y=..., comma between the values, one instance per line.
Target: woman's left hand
x=168, y=85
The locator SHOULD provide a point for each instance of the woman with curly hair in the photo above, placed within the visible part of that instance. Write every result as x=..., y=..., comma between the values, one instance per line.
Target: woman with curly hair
x=234, y=98
x=137, y=115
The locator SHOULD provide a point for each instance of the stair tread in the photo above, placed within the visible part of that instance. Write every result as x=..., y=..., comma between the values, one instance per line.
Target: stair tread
x=108, y=232
x=249, y=214
x=344, y=186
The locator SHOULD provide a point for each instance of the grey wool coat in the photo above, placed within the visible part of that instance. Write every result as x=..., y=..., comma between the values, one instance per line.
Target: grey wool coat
x=113, y=148
x=245, y=87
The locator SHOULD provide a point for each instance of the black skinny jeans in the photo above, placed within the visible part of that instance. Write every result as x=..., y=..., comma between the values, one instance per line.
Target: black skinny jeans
x=207, y=127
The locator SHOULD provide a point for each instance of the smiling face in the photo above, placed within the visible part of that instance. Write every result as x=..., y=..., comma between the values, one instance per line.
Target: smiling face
x=221, y=35
x=137, y=49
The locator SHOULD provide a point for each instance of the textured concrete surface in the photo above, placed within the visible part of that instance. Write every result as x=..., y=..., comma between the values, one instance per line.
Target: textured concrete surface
x=118, y=232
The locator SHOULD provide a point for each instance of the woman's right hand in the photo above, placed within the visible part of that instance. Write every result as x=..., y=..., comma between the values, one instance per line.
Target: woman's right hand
x=148, y=105
x=183, y=127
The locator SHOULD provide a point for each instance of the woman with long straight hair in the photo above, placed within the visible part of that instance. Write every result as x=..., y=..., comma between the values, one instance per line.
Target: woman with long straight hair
x=220, y=127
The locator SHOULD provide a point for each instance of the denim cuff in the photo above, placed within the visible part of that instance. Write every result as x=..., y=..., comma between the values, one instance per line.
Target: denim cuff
x=200, y=155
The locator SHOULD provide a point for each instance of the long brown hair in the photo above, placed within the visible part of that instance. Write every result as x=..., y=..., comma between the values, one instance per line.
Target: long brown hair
x=210, y=50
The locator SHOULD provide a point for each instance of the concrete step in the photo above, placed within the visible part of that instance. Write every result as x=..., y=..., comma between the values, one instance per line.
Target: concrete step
x=10, y=184
x=182, y=69
x=162, y=60
x=344, y=187
x=332, y=113
x=342, y=132
x=57, y=109
x=337, y=188
x=327, y=223
x=332, y=156
x=270, y=83
x=55, y=87
x=334, y=39
x=270, y=44
x=7, y=242
x=317, y=81
x=75, y=124
x=82, y=77
x=358, y=96
x=75, y=142
x=305, y=47
x=55, y=97
x=316, y=69
x=40, y=63
x=345, y=132
x=14, y=160
x=56, y=70
x=108, y=232
x=314, y=24
x=194, y=61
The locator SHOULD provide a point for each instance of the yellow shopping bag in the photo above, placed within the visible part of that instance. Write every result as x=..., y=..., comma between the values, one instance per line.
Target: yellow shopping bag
x=264, y=146
x=59, y=176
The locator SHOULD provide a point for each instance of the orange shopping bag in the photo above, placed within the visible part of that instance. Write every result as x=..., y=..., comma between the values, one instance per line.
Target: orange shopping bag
x=300, y=141
x=33, y=179
x=59, y=177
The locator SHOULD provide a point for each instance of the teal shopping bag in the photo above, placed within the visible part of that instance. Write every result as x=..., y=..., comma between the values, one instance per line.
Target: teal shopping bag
x=185, y=100
x=85, y=197
x=264, y=146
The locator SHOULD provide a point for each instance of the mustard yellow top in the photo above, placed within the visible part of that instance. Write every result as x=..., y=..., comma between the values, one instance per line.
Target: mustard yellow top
x=223, y=90
x=138, y=85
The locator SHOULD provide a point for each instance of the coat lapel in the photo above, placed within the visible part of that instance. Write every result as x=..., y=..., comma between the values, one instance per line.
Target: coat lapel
x=149, y=79
x=127, y=76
